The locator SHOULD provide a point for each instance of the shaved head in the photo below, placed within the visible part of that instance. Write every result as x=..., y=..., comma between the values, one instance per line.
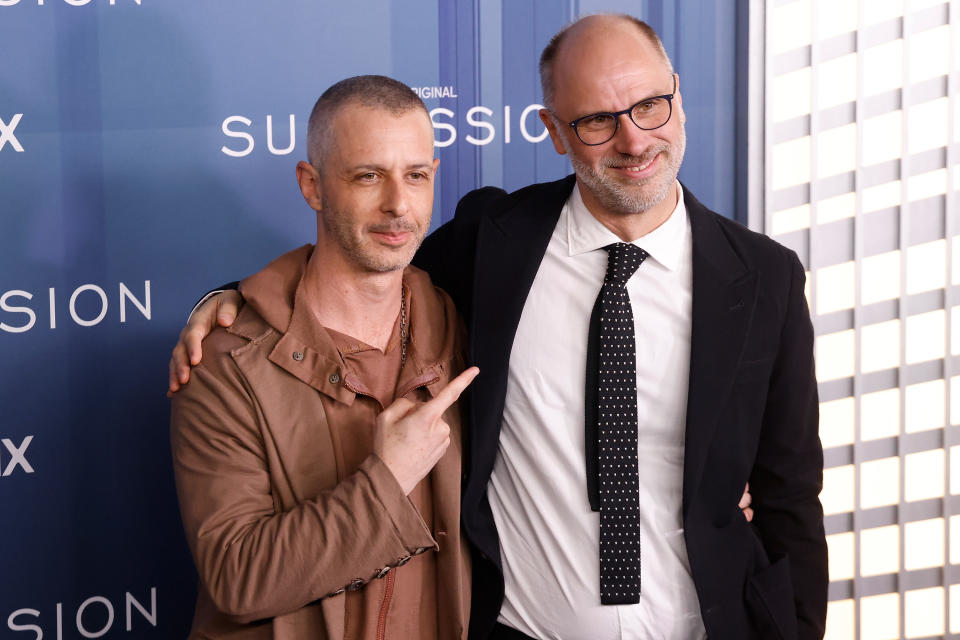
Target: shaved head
x=580, y=32
x=375, y=91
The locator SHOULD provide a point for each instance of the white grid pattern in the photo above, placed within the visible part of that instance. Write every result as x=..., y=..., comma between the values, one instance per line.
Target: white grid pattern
x=860, y=167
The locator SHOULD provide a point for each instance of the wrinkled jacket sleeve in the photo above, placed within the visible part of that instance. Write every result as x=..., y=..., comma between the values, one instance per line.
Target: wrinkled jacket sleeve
x=254, y=559
x=788, y=473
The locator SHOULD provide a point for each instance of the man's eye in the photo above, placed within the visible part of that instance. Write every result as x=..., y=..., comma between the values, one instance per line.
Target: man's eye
x=367, y=177
x=646, y=107
x=418, y=175
x=597, y=121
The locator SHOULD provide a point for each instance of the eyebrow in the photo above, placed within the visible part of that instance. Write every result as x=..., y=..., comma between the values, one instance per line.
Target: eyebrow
x=377, y=167
x=650, y=97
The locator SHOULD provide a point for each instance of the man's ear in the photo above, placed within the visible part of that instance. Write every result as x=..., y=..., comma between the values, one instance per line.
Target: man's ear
x=551, y=126
x=309, y=180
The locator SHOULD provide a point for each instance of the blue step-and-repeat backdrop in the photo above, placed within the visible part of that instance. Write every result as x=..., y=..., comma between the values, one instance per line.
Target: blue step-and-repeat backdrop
x=147, y=153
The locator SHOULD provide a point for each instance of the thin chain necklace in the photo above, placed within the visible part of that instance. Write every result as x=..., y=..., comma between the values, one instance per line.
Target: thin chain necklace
x=403, y=326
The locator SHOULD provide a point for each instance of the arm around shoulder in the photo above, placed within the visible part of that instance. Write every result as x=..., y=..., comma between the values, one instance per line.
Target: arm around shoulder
x=216, y=308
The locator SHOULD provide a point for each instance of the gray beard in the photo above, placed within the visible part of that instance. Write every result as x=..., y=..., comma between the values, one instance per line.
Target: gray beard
x=619, y=198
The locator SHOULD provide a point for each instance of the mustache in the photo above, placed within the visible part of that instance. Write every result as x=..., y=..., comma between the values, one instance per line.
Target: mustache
x=396, y=226
x=629, y=161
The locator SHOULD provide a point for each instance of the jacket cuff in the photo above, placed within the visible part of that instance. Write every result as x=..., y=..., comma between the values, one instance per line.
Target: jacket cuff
x=411, y=531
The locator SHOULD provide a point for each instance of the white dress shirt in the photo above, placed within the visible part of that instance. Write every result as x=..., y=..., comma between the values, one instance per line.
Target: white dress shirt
x=549, y=537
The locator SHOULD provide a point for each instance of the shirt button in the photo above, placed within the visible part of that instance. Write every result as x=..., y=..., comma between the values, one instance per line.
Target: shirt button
x=334, y=378
x=298, y=355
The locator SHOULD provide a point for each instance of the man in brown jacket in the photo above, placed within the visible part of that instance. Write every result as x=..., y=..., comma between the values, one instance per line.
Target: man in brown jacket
x=317, y=447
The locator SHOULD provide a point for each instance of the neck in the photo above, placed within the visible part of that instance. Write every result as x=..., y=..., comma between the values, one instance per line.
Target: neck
x=361, y=304
x=631, y=226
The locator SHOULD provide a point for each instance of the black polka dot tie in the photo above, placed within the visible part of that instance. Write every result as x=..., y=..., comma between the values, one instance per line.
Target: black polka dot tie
x=615, y=431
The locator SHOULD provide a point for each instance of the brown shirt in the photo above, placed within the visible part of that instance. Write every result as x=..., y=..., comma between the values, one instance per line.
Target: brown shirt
x=294, y=525
x=403, y=605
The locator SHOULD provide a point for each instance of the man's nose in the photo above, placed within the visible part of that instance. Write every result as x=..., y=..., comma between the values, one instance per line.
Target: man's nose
x=395, y=198
x=629, y=138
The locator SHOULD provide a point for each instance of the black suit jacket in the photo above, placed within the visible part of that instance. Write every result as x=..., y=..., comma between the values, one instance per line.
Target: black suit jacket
x=751, y=415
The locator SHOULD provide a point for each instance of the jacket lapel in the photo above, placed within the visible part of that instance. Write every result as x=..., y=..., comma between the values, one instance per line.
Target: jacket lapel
x=724, y=298
x=296, y=429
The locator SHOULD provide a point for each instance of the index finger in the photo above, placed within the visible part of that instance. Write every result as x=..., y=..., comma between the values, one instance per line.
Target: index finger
x=450, y=393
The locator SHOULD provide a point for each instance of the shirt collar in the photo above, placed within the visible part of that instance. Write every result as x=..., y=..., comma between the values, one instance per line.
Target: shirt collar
x=278, y=294
x=665, y=244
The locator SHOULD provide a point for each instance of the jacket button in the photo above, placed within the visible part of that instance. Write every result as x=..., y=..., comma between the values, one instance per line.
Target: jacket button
x=336, y=593
x=420, y=550
x=356, y=585
x=334, y=378
x=382, y=572
x=404, y=560
x=298, y=355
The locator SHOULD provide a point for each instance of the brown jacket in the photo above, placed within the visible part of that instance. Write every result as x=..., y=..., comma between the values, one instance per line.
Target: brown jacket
x=276, y=537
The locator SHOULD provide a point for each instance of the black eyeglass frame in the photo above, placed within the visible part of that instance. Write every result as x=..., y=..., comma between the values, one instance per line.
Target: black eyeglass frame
x=616, y=116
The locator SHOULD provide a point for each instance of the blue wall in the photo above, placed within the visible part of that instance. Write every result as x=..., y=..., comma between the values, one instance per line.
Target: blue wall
x=123, y=192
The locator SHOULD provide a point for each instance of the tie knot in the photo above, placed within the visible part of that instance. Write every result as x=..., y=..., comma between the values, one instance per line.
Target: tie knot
x=623, y=261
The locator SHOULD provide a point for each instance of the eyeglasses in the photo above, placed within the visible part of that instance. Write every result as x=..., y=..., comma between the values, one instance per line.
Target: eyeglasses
x=649, y=113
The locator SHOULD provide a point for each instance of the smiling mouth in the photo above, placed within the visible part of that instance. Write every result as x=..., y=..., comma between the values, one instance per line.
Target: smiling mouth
x=641, y=167
x=636, y=170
